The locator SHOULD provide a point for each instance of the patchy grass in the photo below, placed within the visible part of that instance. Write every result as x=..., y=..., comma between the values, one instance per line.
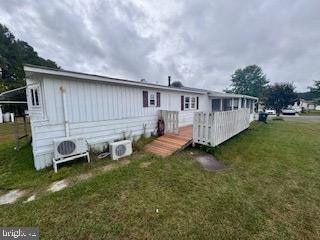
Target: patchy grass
x=7, y=130
x=271, y=190
x=17, y=170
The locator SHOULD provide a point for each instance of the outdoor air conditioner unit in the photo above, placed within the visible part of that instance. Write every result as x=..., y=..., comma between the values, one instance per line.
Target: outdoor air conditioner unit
x=70, y=148
x=120, y=149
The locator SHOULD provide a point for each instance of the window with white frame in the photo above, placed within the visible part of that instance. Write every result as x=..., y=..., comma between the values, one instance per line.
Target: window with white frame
x=248, y=103
x=193, y=103
x=242, y=102
x=152, y=99
x=235, y=104
x=216, y=105
x=189, y=103
x=35, y=96
x=227, y=104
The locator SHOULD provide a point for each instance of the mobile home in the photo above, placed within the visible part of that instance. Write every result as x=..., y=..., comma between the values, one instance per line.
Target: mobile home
x=104, y=109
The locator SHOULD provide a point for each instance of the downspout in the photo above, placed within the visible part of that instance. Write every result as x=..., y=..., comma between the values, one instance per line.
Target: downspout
x=65, y=111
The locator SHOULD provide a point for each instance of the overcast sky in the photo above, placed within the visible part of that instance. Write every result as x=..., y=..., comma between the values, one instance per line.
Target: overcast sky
x=200, y=43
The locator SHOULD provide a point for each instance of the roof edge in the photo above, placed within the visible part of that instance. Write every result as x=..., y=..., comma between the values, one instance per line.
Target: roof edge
x=66, y=73
x=230, y=95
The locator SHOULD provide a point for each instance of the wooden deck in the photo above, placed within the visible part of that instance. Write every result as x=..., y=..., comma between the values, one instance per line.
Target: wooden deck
x=170, y=143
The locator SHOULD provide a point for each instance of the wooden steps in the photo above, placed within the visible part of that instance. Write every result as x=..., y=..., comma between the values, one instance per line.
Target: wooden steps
x=170, y=143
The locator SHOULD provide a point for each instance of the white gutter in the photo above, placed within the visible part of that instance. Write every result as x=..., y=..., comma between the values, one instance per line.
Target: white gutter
x=228, y=95
x=13, y=102
x=65, y=111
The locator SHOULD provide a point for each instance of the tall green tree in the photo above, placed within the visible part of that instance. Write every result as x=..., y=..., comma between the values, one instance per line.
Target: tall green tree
x=249, y=81
x=315, y=88
x=176, y=84
x=279, y=96
x=13, y=54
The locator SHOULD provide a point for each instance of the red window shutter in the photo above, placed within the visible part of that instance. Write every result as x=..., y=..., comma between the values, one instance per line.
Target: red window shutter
x=197, y=103
x=158, y=99
x=145, y=98
x=182, y=103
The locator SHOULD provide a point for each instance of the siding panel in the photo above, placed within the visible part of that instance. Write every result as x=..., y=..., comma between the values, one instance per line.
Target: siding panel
x=100, y=112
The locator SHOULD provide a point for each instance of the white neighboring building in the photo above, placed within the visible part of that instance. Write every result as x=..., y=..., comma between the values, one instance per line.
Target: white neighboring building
x=306, y=105
x=103, y=109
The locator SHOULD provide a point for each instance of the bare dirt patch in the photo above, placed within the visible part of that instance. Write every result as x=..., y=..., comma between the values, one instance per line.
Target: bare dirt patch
x=58, y=186
x=30, y=199
x=145, y=164
x=11, y=196
x=209, y=162
x=84, y=176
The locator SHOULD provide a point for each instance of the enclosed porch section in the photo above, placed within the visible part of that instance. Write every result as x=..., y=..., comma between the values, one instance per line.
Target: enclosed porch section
x=221, y=102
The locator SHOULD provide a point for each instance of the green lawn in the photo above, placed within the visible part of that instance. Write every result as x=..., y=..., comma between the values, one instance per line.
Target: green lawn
x=271, y=190
x=311, y=113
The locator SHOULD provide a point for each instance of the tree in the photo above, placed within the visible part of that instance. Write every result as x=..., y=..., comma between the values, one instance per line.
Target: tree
x=249, y=81
x=13, y=54
x=176, y=84
x=279, y=96
x=2, y=86
x=315, y=88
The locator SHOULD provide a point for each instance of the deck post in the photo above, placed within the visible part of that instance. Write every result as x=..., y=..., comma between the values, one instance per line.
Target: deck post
x=171, y=121
x=25, y=125
x=16, y=133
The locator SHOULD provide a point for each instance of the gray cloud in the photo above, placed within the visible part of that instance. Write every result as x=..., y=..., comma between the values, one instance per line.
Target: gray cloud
x=198, y=42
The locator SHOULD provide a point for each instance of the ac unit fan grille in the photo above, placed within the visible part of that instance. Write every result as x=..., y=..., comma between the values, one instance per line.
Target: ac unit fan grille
x=120, y=150
x=66, y=147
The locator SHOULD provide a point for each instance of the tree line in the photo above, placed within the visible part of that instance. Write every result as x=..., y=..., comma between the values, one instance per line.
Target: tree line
x=13, y=54
x=252, y=81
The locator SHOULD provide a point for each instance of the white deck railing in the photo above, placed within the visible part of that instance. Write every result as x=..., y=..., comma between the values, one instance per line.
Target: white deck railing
x=213, y=128
x=171, y=121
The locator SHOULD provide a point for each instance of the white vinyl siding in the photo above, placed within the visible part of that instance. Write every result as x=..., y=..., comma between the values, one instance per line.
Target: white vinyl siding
x=100, y=112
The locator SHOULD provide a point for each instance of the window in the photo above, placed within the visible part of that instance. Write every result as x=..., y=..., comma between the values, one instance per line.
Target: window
x=152, y=99
x=227, y=104
x=235, y=104
x=193, y=102
x=35, y=98
x=216, y=105
x=189, y=103
x=242, y=102
x=251, y=106
x=186, y=102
